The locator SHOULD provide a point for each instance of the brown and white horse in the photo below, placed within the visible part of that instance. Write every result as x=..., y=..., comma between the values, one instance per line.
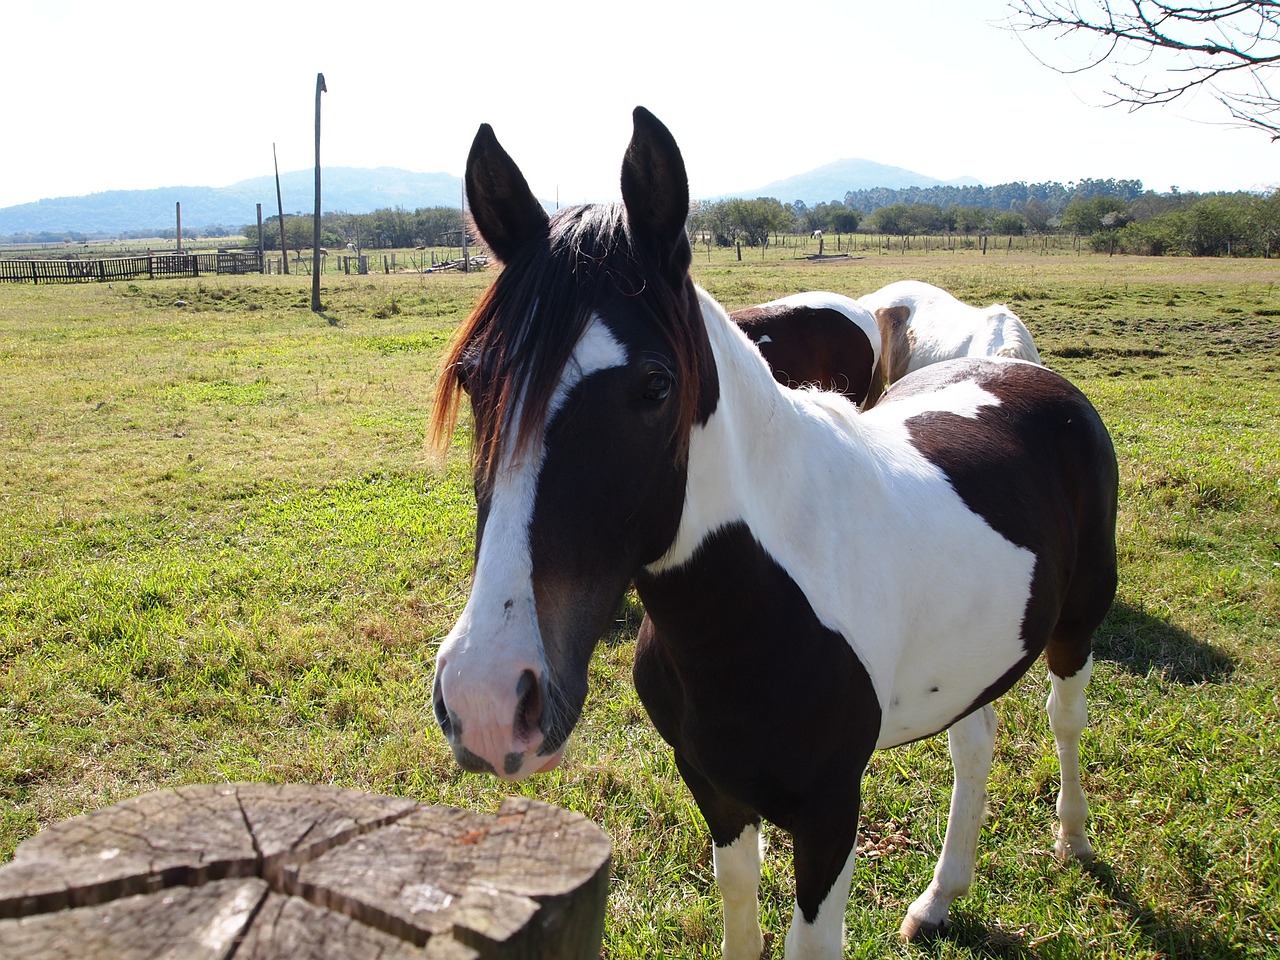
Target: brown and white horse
x=818, y=583
x=922, y=324
x=818, y=339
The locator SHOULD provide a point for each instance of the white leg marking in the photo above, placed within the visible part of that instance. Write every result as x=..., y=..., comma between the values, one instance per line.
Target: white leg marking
x=971, y=741
x=1067, y=717
x=824, y=938
x=738, y=877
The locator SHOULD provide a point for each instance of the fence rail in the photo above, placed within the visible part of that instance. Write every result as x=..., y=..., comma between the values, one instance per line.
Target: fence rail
x=129, y=268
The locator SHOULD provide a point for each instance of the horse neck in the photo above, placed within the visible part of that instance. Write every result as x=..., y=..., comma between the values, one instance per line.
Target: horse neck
x=765, y=449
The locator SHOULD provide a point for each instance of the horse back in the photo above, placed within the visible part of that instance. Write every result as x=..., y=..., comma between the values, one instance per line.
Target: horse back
x=818, y=339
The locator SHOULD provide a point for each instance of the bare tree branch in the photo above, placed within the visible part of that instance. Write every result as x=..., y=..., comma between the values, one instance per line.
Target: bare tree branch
x=1159, y=51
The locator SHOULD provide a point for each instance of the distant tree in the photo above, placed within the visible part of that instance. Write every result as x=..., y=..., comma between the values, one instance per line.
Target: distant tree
x=1160, y=50
x=893, y=219
x=1008, y=225
x=1218, y=225
x=431, y=223
x=297, y=232
x=1266, y=223
x=1124, y=189
x=833, y=217
x=928, y=218
x=969, y=219
x=1085, y=217
x=1037, y=215
x=1152, y=204
x=754, y=220
x=842, y=219
x=715, y=220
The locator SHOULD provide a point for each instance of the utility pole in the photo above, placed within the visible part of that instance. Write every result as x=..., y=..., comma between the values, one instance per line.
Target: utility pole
x=315, y=245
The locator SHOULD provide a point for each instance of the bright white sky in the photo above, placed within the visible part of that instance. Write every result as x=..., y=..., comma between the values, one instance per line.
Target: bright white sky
x=102, y=96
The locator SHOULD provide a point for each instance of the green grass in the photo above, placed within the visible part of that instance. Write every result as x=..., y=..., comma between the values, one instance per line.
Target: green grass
x=226, y=554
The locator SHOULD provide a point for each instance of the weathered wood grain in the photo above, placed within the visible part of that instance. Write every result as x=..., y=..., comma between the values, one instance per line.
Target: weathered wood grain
x=263, y=871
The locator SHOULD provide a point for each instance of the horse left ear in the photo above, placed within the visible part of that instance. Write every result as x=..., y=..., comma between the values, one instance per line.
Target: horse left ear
x=655, y=190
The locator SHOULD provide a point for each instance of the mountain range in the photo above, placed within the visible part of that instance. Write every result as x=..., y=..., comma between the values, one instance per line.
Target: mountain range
x=362, y=190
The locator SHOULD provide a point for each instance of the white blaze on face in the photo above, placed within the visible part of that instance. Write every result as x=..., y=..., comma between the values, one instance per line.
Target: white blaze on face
x=496, y=640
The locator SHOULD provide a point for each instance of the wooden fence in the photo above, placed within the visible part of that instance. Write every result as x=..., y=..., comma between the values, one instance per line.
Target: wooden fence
x=130, y=268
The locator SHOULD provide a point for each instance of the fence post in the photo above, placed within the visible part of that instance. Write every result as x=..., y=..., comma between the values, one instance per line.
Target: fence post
x=281, y=871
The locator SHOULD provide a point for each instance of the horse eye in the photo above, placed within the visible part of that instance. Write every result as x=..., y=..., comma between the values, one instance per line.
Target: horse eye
x=464, y=373
x=658, y=386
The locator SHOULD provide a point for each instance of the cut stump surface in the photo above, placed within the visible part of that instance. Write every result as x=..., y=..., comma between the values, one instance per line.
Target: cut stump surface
x=261, y=872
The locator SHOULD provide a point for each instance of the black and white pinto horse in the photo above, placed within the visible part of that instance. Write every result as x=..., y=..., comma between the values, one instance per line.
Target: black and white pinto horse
x=818, y=583
x=817, y=338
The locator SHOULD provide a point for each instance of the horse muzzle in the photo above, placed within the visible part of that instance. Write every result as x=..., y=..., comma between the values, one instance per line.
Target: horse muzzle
x=494, y=727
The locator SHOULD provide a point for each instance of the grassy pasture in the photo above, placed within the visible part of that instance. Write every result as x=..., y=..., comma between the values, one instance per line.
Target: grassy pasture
x=226, y=555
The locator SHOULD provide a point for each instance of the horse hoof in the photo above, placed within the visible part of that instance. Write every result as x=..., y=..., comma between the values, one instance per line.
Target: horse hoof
x=1066, y=851
x=917, y=931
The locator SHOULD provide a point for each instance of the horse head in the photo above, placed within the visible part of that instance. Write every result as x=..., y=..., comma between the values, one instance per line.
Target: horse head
x=585, y=366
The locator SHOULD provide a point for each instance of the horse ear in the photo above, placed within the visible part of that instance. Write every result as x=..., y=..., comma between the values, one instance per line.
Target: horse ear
x=503, y=207
x=655, y=190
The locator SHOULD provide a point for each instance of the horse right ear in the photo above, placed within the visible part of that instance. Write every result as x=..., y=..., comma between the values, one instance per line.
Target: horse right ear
x=503, y=207
x=655, y=191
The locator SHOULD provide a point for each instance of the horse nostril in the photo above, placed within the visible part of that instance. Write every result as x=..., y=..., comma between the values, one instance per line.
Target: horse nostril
x=447, y=719
x=528, y=704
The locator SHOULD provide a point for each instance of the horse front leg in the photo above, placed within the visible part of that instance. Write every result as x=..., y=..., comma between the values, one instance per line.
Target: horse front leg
x=737, y=867
x=825, y=841
x=735, y=853
x=971, y=741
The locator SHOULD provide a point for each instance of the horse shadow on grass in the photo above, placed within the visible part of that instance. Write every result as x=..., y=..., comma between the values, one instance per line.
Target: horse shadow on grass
x=1163, y=935
x=1143, y=643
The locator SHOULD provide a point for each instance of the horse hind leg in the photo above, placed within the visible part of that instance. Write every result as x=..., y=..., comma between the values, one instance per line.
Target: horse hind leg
x=1068, y=716
x=971, y=741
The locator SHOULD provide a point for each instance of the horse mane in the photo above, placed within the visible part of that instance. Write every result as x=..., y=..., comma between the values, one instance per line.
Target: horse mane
x=509, y=353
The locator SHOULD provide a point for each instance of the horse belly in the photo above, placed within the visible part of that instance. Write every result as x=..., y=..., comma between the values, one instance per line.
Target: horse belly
x=949, y=668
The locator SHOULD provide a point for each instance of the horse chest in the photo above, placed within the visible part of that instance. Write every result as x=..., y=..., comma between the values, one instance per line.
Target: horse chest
x=743, y=680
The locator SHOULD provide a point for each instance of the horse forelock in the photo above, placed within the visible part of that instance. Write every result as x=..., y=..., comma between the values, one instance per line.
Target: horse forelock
x=510, y=354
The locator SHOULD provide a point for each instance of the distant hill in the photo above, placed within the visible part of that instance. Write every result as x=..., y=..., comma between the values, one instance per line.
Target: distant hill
x=362, y=190
x=831, y=182
x=346, y=189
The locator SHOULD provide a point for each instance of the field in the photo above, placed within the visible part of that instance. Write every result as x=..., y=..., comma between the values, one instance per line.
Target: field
x=226, y=554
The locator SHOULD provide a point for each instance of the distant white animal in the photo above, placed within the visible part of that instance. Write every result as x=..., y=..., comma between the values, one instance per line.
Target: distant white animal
x=922, y=324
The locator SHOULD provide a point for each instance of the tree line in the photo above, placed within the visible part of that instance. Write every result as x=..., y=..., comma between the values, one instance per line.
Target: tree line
x=391, y=228
x=1113, y=216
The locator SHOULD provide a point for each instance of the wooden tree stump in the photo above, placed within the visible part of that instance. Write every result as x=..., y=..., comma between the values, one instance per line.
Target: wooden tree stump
x=264, y=872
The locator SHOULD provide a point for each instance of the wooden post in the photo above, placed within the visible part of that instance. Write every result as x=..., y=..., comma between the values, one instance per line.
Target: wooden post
x=315, y=254
x=262, y=265
x=178, y=231
x=284, y=251
x=466, y=256
x=273, y=872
